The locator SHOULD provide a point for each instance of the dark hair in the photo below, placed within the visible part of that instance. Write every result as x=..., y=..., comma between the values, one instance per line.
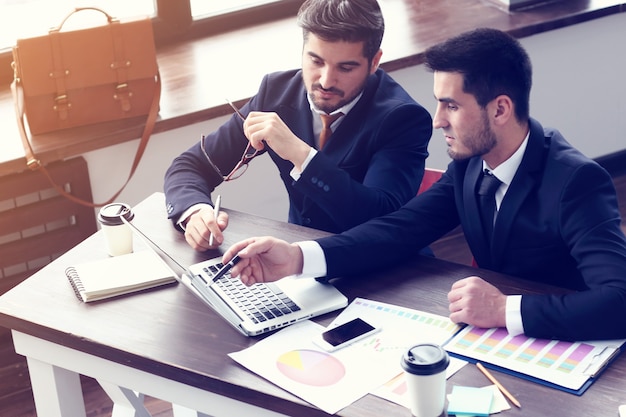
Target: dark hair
x=492, y=63
x=344, y=20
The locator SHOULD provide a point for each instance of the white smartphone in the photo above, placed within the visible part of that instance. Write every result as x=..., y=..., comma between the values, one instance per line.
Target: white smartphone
x=345, y=334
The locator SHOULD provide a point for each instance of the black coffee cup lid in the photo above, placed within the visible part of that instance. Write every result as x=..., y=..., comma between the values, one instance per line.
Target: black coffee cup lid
x=425, y=359
x=111, y=214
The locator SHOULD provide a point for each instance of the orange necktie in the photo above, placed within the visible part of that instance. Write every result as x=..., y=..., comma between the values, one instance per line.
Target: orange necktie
x=327, y=120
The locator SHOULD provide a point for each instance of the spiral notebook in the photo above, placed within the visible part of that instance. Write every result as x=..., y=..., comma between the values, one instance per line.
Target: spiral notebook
x=117, y=275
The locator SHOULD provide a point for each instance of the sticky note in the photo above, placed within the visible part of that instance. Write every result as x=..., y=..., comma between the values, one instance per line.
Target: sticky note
x=469, y=401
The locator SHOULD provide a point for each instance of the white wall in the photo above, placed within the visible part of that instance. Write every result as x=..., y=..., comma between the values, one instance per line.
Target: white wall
x=579, y=88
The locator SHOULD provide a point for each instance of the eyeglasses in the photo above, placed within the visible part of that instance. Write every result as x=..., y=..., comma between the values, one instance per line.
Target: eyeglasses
x=248, y=155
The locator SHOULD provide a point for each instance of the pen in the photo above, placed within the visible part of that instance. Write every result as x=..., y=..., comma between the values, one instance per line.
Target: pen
x=499, y=385
x=216, y=211
x=241, y=116
x=226, y=268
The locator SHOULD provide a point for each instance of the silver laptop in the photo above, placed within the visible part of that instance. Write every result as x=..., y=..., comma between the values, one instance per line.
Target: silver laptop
x=262, y=307
x=259, y=308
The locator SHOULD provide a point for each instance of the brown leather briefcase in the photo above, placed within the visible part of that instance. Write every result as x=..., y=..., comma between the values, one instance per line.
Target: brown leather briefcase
x=82, y=77
x=86, y=76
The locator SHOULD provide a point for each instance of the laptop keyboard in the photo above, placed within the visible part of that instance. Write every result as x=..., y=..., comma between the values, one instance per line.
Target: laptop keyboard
x=260, y=302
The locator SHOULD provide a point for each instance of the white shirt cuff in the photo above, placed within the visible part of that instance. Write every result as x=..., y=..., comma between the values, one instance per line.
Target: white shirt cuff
x=189, y=212
x=514, y=324
x=295, y=174
x=313, y=260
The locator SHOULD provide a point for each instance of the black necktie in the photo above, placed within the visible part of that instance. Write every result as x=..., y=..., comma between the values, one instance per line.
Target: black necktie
x=487, y=199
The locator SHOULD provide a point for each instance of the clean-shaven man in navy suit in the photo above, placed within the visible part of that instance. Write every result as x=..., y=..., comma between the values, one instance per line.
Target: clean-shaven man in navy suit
x=557, y=217
x=371, y=164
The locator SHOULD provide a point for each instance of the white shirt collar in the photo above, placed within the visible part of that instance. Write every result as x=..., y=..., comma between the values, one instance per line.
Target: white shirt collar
x=317, y=122
x=506, y=170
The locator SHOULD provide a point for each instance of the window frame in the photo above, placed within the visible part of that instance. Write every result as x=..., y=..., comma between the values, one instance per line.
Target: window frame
x=174, y=23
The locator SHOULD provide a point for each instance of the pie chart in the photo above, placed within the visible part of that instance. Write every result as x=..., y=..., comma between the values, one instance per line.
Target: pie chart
x=310, y=367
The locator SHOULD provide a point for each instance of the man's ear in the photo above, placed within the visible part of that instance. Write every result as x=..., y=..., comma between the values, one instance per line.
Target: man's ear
x=502, y=109
x=376, y=61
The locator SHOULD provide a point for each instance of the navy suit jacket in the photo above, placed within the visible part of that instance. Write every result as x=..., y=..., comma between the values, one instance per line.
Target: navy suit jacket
x=559, y=223
x=372, y=164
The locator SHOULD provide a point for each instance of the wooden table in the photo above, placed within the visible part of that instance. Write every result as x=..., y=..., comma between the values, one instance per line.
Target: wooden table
x=167, y=344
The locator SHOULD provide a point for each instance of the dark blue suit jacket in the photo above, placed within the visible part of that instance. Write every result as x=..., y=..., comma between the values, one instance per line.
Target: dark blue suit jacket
x=559, y=223
x=372, y=165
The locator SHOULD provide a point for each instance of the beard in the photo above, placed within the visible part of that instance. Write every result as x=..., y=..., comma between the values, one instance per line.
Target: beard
x=323, y=104
x=477, y=142
x=343, y=98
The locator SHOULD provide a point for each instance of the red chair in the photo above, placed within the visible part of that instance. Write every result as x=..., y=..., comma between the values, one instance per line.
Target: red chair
x=431, y=176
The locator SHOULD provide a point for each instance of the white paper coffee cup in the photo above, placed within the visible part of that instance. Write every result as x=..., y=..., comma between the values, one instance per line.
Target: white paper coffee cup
x=424, y=367
x=118, y=236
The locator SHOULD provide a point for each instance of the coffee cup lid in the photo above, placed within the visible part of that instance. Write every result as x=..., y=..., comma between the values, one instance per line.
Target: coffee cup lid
x=112, y=214
x=425, y=359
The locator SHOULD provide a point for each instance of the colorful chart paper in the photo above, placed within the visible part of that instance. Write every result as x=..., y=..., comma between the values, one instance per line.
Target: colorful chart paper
x=566, y=364
x=332, y=381
x=291, y=360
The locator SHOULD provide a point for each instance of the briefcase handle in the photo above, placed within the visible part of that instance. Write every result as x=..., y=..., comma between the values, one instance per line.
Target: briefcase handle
x=110, y=19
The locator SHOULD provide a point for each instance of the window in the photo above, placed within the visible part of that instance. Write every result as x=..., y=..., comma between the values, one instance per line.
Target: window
x=173, y=20
x=23, y=19
x=204, y=8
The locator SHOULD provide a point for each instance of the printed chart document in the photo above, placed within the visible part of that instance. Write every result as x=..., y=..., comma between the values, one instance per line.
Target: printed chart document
x=569, y=366
x=404, y=328
x=332, y=381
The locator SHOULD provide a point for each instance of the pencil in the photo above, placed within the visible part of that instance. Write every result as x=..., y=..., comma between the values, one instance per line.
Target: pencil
x=216, y=211
x=504, y=391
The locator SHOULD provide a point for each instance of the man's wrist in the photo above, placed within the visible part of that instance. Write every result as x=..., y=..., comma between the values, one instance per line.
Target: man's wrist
x=184, y=218
x=296, y=172
x=513, y=315
x=313, y=259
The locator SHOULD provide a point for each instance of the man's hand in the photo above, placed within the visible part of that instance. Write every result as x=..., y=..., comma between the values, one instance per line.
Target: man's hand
x=269, y=127
x=264, y=259
x=475, y=301
x=201, y=224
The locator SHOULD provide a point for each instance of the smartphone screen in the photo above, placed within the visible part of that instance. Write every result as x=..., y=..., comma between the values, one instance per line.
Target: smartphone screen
x=345, y=333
